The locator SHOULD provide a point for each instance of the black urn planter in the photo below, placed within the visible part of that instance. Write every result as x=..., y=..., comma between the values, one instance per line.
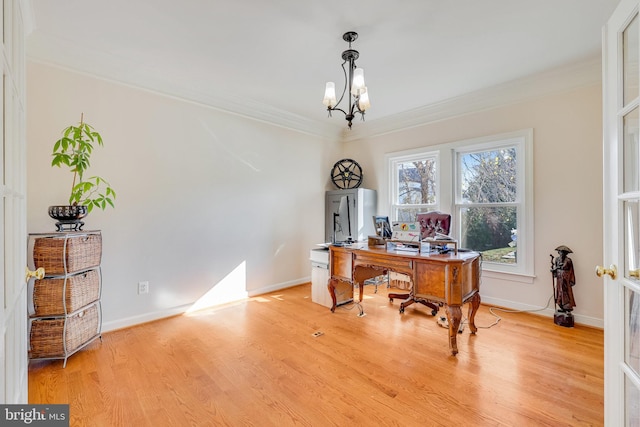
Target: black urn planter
x=68, y=217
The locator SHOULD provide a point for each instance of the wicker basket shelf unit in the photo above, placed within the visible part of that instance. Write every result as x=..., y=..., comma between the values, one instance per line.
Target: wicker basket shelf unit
x=67, y=253
x=65, y=294
x=65, y=311
x=60, y=337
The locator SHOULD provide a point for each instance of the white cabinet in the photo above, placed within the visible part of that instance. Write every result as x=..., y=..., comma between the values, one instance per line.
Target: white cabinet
x=320, y=276
x=320, y=279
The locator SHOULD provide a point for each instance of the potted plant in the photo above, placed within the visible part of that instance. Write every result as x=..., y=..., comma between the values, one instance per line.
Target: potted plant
x=74, y=150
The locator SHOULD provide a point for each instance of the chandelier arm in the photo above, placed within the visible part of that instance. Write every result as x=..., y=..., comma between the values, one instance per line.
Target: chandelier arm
x=337, y=109
x=349, y=83
x=345, y=87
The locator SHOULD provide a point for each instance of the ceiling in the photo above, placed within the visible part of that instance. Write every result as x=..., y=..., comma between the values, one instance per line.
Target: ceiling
x=271, y=59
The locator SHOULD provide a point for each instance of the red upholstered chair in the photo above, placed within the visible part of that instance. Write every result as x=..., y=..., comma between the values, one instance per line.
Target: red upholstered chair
x=431, y=224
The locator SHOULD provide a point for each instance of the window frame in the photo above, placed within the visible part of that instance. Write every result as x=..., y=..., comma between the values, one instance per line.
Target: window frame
x=406, y=157
x=447, y=191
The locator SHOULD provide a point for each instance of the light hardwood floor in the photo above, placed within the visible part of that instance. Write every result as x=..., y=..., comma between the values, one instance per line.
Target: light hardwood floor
x=256, y=363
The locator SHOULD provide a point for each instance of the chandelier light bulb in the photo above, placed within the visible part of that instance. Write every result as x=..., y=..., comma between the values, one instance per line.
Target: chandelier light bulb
x=330, y=95
x=358, y=81
x=363, y=101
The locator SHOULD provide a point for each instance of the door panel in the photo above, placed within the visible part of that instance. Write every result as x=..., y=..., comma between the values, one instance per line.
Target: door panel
x=632, y=411
x=13, y=231
x=631, y=151
x=630, y=61
x=632, y=326
x=621, y=229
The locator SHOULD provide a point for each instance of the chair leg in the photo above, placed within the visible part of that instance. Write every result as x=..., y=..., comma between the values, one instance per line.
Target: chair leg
x=434, y=307
x=406, y=303
x=410, y=300
x=407, y=297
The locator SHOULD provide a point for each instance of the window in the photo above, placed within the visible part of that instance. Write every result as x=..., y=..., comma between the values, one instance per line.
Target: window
x=487, y=186
x=413, y=185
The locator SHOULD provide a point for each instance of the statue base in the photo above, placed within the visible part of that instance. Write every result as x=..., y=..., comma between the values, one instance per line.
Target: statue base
x=563, y=318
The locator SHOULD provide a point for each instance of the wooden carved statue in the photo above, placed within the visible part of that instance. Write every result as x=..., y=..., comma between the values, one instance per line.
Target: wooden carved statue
x=564, y=279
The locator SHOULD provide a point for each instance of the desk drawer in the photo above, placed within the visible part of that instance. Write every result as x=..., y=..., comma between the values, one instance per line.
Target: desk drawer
x=400, y=265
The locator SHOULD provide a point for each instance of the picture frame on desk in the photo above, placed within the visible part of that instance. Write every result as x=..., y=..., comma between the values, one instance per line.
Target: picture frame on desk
x=408, y=232
x=405, y=237
x=382, y=226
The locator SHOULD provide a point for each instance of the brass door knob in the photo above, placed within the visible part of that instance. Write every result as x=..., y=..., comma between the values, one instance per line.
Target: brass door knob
x=634, y=273
x=38, y=274
x=612, y=271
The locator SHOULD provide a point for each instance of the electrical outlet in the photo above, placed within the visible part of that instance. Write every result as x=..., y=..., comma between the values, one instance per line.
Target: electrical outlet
x=143, y=288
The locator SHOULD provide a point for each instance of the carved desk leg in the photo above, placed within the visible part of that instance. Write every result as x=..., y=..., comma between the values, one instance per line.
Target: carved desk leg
x=331, y=285
x=473, y=309
x=454, y=315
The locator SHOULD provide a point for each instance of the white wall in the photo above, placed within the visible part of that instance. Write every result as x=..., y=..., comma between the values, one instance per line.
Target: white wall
x=205, y=199
x=203, y=194
x=567, y=186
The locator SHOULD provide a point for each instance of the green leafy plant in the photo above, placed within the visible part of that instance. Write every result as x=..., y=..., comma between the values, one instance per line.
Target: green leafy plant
x=74, y=150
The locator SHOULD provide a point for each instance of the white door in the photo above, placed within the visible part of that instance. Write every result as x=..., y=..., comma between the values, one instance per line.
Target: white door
x=621, y=270
x=13, y=231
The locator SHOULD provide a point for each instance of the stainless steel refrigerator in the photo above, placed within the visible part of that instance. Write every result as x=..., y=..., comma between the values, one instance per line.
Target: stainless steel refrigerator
x=349, y=214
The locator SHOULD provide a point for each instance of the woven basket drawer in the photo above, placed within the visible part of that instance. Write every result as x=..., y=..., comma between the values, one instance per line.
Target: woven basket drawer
x=82, y=251
x=81, y=289
x=47, y=335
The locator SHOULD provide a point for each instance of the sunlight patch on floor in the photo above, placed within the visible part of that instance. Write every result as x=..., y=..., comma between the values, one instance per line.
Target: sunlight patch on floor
x=231, y=288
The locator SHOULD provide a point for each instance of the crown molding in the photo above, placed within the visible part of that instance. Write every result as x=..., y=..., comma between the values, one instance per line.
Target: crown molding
x=266, y=114
x=228, y=104
x=563, y=79
x=573, y=76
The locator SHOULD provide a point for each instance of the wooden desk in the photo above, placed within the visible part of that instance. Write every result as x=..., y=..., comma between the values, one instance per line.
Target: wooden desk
x=448, y=279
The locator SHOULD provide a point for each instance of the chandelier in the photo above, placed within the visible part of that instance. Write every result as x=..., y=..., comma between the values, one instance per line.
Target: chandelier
x=354, y=79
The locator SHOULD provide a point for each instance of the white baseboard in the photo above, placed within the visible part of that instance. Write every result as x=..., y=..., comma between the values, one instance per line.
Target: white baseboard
x=279, y=286
x=547, y=312
x=143, y=318
x=173, y=311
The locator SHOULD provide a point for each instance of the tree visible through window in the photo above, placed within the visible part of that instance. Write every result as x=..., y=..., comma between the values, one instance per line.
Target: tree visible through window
x=415, y=187
x=488, y=203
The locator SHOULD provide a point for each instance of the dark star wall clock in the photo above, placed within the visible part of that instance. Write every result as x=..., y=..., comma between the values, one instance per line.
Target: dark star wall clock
x=346, y=173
